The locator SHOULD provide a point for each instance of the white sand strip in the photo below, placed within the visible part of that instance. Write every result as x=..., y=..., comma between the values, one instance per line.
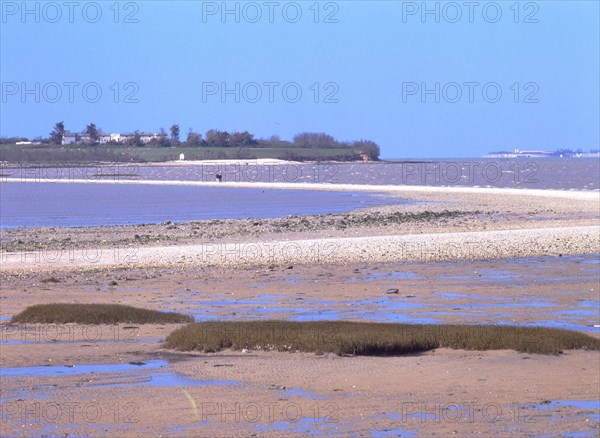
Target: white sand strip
x=392, y=189
x=232, y=162
x=413, y=247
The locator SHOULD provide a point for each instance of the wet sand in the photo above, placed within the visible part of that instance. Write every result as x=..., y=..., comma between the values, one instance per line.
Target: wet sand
x=436, y=393
x=236, y=393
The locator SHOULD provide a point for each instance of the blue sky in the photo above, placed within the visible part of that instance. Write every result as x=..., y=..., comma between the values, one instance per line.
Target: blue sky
x=364, y=70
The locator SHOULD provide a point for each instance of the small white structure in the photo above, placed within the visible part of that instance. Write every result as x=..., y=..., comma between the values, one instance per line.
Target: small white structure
x=181, y=157
x=70, y=138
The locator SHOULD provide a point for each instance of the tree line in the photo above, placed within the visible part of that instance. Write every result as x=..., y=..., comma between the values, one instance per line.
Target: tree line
x=365, y=149
x=162, y=139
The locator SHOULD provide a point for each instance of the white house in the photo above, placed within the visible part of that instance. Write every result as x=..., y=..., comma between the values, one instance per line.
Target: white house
x=106, y=138
x=70, y=138
x=147, y=138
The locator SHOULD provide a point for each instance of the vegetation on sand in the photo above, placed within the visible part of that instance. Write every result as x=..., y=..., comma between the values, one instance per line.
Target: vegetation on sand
x=372, y=339
x=62, y=313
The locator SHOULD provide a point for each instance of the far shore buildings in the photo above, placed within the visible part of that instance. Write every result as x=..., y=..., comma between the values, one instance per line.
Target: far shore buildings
x=72, y=138
x=538, y=154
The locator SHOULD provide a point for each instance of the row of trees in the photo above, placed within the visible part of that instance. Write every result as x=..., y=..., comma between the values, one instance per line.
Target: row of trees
x=365, y=149
x=213, y=137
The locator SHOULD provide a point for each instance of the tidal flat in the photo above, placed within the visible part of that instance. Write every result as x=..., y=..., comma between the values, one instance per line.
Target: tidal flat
x=120, y=379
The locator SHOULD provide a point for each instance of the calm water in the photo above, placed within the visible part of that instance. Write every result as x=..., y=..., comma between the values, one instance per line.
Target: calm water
x=545, y=173
x=46, y=204
x=75, y=205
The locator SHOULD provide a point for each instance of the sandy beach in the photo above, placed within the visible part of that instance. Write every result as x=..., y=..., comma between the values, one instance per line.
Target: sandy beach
x=533, y=242
x=230, y=162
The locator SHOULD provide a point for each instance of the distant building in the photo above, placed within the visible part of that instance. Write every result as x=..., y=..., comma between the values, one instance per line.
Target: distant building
x=107, y=138
x=532, y=154
x=560, y=153
x=520, y=154
x=147, y=138
x=70, y=138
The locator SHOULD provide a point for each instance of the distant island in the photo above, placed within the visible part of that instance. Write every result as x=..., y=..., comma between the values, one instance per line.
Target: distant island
x=91, y=144
x=560, y=153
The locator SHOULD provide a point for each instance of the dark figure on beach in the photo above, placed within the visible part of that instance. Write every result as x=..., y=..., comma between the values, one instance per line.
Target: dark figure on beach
x=219, y=177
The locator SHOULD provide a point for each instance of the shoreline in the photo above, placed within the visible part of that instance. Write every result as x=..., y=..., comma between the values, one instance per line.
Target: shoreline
x=456, y=223
x=410, y=189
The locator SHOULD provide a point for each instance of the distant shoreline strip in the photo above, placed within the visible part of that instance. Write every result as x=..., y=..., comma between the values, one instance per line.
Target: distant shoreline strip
x=396, y=189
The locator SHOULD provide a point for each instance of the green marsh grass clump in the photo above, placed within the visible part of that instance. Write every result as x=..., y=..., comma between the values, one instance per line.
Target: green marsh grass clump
x=372, y=339
x=62, y=313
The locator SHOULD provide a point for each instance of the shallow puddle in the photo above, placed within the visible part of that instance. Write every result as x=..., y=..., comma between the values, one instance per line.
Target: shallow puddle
x=386, y=275
x=83, y=341
x=74, y=370
x=325, y=315
x=579, y=404
x=99, y=376
x=129, y=373
x=304, y=393
x=465, y=296
x=305, y=426
x=584, y=405
x=395, y=432
x=469, y=308
x=162, y=379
